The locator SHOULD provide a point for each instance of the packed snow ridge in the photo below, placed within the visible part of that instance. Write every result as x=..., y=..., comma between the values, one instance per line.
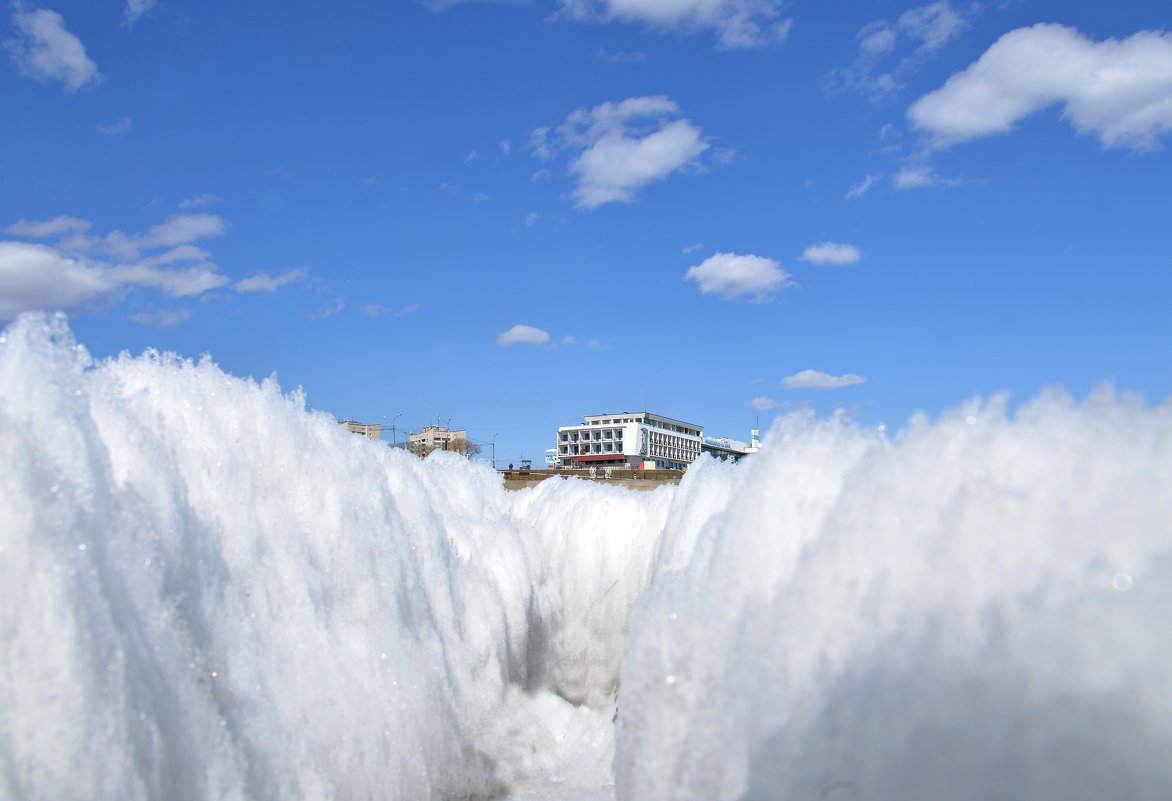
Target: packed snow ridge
x=209, y=592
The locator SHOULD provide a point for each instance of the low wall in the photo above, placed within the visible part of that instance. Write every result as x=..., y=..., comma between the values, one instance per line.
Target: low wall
x=631, y=479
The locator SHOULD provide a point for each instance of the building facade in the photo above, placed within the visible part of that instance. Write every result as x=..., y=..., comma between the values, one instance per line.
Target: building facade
x=368, y=430
x=629, y=439
x=438, y=438
x=641, y=440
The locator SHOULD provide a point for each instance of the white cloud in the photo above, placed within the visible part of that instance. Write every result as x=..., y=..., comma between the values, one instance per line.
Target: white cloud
x=531, y=219
x=45, y=51
x=116, y=128
x=738, y=24
x=724, y=155
x=813, y=379
x=175, y=282
x=925, y=29
x=331, y=308
x=1118, y=90
x=181, y=228
x=691, y=248
x=539, y=143
x=862, y=187
x=135, y=9
x=375, y=310
x=79, y=268
x=834, y=254
x=163, y=318
x=932, y=26
x=39, y=277
x=568, y=339
x=480, y=197
x=762, y=404
x=200, y=201
x=730, y=276
x=505, y=147
x=523, y=335
x=617, y=148
x=621, y=57
x=263, y=282
x=43, y=230
x=472, y=156
x=920, y=178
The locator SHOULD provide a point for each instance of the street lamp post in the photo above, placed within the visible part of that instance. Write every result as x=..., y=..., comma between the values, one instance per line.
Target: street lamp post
x=494, y=436
x=394, y=436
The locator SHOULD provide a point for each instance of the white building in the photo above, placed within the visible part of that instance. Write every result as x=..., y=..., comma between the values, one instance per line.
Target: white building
x=726, y=448
x=629, y=439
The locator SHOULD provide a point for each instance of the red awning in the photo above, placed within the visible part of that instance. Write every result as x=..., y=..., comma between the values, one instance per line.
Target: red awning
x=601, y=457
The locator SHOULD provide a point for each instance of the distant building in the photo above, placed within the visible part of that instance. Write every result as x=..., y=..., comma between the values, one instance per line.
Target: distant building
x=726, y=448
x=641, y=440
x=368, y=430
x=438, y=438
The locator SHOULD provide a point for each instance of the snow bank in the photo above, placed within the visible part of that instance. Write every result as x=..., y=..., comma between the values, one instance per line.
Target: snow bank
x=207, y=592
x=977, y=610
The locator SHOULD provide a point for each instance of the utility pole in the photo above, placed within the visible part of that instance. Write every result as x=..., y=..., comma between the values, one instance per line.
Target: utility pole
x=394, y=438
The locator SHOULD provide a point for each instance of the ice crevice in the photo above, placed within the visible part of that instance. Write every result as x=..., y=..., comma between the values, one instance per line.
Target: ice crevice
x=208, y=591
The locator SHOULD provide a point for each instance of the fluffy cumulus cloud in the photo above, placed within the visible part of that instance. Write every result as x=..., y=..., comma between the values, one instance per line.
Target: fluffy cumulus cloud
x=813, y=379
x=762, y=404
x=34, y=276
x=731, y=276
x=833, y=254
x=1120, y=90
x=523, y=335
x=44, y=50
x=75, y=268
x=738, y=24
x=617, y=148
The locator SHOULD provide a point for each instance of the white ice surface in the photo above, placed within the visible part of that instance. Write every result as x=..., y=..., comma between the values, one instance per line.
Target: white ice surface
x=208, y=592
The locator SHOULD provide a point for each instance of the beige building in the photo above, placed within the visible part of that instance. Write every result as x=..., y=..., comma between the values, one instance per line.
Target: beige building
x=368, y=430
x=438, y=438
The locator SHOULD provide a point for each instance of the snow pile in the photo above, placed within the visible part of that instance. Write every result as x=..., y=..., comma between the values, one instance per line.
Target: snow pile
x=207, y=592
x=977, y=610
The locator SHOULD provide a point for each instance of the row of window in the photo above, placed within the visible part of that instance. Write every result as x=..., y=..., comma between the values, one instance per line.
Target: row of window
x=648, y=421
x=573, y=436
x=605, y=447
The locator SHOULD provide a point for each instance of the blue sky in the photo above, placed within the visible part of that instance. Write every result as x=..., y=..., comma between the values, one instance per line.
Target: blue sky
x=512, y=214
